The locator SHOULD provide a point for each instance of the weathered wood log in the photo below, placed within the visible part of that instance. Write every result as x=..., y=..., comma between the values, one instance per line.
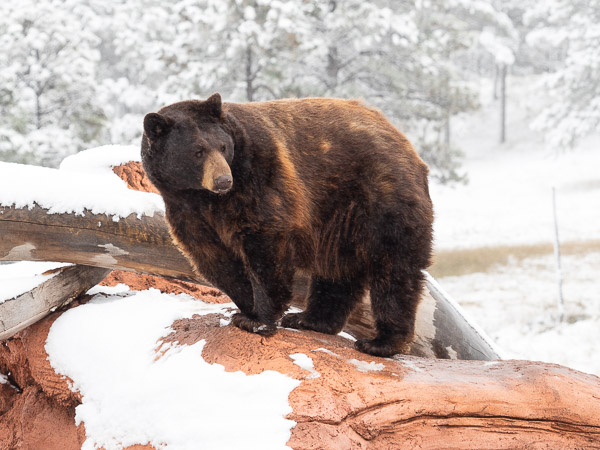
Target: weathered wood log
x=140, y=245
x=66, y=285
x=144, y=245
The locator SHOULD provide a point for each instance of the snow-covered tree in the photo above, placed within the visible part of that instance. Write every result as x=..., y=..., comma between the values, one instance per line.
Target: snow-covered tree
x=155, y=53
x=48, y=80
x=118, y=59
x=440, y=77
x=137, y=47
x=244, y=48
x=575, y=109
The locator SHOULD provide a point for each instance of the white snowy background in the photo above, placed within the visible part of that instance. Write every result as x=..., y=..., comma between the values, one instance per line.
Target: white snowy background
x=78, y=74
x=506, y=211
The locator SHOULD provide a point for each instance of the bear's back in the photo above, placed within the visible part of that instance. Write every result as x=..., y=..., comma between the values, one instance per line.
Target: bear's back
x=334, y=143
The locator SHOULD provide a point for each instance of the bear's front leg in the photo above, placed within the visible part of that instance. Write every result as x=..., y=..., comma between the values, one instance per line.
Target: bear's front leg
x=271, y=281
x=256, y=322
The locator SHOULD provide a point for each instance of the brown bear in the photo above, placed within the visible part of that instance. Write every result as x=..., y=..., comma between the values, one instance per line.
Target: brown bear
x=257, y=191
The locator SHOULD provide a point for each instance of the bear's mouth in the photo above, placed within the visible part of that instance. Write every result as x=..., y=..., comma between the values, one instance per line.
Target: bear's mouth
x=222, y=184
x=222, y=191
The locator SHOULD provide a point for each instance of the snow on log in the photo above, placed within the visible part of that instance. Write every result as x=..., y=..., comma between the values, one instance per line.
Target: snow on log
x=44, y=291
x=84, y=214
x=83, y=183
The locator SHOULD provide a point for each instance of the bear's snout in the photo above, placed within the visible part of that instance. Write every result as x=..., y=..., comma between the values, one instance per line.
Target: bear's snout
x=217, y=173
x=223, y=183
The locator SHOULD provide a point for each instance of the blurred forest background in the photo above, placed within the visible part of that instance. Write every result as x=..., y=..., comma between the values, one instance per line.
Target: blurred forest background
x=78, y=73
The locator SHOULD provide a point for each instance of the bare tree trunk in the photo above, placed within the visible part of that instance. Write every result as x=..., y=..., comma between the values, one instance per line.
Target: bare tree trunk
x=447, y=129
x=38, y=112
x=503, y=70
x=249, y=75
x=38, y=93
x=559, y=276
x=333, y=65
x=496, y=79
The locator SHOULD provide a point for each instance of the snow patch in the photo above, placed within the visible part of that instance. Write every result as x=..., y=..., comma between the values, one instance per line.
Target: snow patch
x=410, y=365
x=20, y=252
x=306, y=363
x=363, y=366
x=452, y=353
x=347, y=336
x=324, y=350
x=490, y=363
x=108, y=259
x=101, y=158
x=109, y=290
x=108, y=347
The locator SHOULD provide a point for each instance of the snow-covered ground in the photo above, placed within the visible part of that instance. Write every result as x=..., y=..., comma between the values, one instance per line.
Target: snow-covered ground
x=508, y=201
x=517, y=305
x=108, y=347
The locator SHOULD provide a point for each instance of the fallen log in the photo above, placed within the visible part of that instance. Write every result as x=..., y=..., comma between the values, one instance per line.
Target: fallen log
x=143, y=245
x=356, y=401
x=66, y=284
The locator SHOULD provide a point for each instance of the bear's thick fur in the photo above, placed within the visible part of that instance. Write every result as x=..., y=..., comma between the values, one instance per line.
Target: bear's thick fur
x=255, y=192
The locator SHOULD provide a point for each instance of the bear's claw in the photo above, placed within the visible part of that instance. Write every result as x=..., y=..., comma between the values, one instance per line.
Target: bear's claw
x=299, y=321
x=253, y=325
x=292, y=320
x=377, y=347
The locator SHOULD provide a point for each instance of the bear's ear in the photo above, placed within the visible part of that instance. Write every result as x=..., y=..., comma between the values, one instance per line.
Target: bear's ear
x=156, y=125
x=214, y=104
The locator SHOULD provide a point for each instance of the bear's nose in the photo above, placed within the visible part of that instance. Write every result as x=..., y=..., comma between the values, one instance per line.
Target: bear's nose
x=223, y=182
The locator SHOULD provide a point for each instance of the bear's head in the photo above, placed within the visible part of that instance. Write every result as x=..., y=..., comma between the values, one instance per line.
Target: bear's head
x=186, y=146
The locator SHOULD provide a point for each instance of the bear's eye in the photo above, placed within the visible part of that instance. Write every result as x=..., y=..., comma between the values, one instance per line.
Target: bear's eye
x=199, y=153
x=223, y=148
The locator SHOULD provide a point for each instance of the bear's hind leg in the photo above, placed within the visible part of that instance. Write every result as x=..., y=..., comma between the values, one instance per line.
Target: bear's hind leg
x=394, y=301
x=329, y=305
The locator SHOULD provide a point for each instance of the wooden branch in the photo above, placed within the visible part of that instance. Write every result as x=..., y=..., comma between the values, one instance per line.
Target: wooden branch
x=144, y=245
x=68, y=284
